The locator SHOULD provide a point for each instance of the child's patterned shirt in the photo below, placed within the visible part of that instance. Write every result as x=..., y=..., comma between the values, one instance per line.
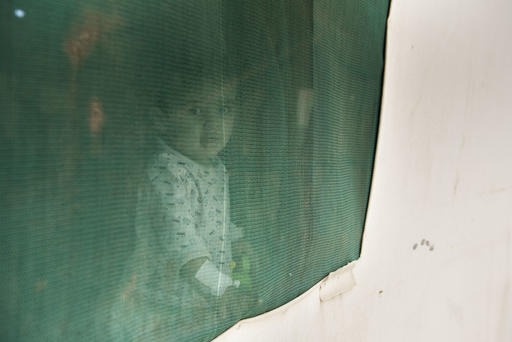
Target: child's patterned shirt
x=182, y=214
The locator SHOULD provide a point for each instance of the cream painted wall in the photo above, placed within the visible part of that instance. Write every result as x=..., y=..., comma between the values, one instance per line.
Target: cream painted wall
x=443, y=175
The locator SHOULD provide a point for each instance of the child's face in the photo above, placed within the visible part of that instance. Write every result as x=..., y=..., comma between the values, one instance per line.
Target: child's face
x=205, y=124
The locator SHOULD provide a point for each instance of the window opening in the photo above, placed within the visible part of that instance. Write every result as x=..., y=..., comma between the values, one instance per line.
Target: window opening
x=171, y=167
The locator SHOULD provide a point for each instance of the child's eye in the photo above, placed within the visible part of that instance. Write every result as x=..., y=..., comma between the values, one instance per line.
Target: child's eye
x=224, y=110
x=195, y=111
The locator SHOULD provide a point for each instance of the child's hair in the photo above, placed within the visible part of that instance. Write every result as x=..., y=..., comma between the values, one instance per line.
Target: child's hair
x=181, y=87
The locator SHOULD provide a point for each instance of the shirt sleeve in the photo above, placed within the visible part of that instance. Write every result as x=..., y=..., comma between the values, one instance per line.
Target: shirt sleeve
x=179, y=199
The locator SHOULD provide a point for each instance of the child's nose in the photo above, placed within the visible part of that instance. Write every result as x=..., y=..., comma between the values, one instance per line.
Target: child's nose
x=213, y=123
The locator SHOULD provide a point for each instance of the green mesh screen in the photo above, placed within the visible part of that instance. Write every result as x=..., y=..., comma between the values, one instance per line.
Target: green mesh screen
x=171, y=167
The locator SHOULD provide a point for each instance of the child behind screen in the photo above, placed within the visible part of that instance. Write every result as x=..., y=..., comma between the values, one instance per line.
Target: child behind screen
x=179, y=279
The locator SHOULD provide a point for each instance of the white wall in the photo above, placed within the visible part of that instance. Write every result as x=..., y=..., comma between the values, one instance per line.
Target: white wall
x=443, y=174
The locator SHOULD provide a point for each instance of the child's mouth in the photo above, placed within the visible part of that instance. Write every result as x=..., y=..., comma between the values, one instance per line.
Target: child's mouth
x=211, y=141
